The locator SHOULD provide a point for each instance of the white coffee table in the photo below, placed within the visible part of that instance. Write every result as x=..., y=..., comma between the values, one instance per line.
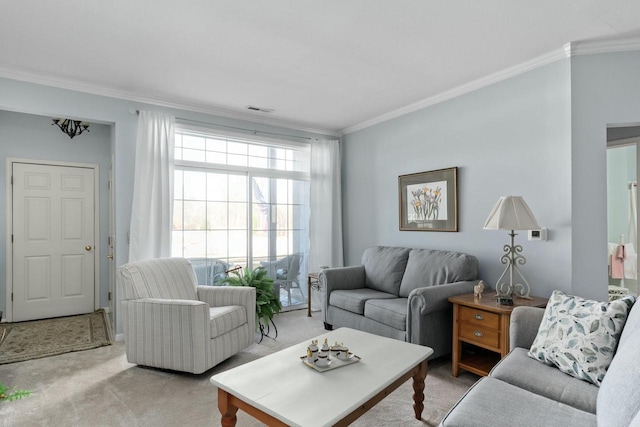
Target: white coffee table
x=280, y=390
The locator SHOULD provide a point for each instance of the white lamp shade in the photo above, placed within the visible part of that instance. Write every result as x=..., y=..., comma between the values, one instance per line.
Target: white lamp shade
x=511, y=213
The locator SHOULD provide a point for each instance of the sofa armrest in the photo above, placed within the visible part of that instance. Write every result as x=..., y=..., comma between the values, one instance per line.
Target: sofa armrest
x=524, y=325
x=429, y=319
x=434, y=298
x=220, y=296
x=332, y=279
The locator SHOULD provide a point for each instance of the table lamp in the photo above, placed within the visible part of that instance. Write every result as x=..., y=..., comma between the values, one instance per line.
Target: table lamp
x=511, y=213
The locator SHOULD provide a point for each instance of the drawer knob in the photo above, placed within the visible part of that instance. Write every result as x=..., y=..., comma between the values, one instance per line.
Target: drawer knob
x=478, y=334
x=478, y=316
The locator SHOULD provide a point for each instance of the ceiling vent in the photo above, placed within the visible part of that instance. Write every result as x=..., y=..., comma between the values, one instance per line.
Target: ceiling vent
x=260, y=109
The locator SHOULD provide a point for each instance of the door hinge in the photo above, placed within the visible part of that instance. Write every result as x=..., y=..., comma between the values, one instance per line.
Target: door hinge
x=109, y=185
x=109, y=296
x=11, y=179
x=12, y=238
x=11, y=296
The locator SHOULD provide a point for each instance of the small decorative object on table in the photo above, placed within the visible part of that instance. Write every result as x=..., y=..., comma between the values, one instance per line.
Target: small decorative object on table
x=323, y=355
x=478, y=289
x=328, y=357
x=312, y=352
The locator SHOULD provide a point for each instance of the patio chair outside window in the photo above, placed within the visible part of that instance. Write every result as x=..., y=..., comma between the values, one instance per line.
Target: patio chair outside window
x=285, y=272
x=210, y=271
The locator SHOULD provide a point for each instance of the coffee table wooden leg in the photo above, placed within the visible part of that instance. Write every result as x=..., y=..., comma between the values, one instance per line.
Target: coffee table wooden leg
x=418, y=389
x=227, y=409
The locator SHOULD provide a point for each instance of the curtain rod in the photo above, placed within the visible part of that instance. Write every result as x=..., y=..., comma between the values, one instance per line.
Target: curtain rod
x=254, y=131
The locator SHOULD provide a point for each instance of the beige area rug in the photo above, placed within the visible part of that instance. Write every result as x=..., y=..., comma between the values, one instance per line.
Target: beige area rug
x=22, y=341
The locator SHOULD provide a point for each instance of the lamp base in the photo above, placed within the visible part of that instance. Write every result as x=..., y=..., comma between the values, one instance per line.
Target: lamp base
x=505, y=300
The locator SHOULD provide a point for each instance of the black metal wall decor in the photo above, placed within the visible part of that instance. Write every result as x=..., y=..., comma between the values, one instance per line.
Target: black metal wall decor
x=71, y=127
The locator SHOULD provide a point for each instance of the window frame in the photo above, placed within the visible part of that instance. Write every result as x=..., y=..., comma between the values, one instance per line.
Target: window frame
x=249, y=172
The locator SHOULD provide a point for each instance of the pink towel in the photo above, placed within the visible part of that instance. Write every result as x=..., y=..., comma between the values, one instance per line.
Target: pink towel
x=617, y=263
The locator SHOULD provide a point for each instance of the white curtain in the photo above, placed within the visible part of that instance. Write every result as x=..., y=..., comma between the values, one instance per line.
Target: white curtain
x=325, y=230
x=151, y=215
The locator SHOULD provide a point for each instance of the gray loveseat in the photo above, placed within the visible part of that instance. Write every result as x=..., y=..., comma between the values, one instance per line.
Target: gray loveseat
x=521, y=391
x=399, y=293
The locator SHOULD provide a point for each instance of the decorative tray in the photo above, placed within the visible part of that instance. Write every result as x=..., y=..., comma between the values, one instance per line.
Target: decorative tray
x=334, y=363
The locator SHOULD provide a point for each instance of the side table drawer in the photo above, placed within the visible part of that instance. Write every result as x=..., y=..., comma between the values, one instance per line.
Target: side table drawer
x=480, y=335
x=479, y=317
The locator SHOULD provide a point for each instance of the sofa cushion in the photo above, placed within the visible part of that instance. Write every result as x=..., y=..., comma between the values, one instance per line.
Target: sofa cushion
x=353, y=300
x=494, y=403
x=384, y=267
x=521, y=371
x=619, y=399
x=392, y=312
x=580, y=336
x=225, y=319
x=427, y=267
x=631, y=325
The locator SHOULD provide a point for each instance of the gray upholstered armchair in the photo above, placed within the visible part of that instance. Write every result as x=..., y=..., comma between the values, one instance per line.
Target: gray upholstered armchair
x=170, y=322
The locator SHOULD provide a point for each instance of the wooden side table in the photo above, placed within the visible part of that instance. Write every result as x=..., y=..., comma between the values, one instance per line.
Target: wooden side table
x=481, y=330
x=313, y=282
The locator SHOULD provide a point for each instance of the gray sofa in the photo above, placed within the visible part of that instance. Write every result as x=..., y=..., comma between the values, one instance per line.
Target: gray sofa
x=521, y=391
x=399, y=293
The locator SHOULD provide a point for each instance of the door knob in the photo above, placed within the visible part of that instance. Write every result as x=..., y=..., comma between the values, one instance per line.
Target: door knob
x=109, y=256
x=87, y=248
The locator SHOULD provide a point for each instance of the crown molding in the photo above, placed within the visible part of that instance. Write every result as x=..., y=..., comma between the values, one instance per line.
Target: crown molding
x=587, y=47
x=463, y=89
x=592, y=47
x=162, y=102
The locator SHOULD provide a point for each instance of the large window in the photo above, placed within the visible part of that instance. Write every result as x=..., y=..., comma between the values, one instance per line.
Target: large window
x=242, y=202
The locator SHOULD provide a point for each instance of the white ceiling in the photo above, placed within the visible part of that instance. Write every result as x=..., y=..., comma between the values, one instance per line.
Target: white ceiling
x=330, y=65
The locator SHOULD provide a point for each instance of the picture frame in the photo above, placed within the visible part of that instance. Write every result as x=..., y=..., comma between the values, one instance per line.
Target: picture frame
x=428, y=201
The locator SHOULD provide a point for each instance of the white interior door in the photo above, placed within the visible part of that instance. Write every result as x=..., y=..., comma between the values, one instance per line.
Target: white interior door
x=53, y=233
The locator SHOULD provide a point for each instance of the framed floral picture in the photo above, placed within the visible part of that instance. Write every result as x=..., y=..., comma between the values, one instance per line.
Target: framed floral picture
x=428, y=201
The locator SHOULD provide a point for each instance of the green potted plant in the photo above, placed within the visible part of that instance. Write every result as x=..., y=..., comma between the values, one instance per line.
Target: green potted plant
x=14, y=395
x=267, y=302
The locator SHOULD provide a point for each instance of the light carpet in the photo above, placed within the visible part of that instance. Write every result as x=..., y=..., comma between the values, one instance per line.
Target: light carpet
x=100, y=388
x=34, y=339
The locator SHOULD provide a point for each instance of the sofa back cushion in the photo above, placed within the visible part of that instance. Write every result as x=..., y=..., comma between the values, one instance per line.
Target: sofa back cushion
x=632, y=324
x=427, y=267
x=618, y=400
x=384, y=267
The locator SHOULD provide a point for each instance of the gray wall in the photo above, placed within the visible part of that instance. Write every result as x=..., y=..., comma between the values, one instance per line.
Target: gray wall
x=33, y=137
x=47, y=101
x=542, y=135
x=511, y=138
x=605, y=90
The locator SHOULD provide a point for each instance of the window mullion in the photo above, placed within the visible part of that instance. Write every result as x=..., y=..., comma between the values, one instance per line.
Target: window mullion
x=249, y=199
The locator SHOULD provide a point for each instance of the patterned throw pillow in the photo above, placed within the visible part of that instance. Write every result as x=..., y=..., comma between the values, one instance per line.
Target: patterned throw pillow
x=580, y=336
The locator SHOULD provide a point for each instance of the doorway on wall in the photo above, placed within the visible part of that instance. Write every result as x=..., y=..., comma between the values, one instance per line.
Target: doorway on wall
x=622, y=209
x=52, y=257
